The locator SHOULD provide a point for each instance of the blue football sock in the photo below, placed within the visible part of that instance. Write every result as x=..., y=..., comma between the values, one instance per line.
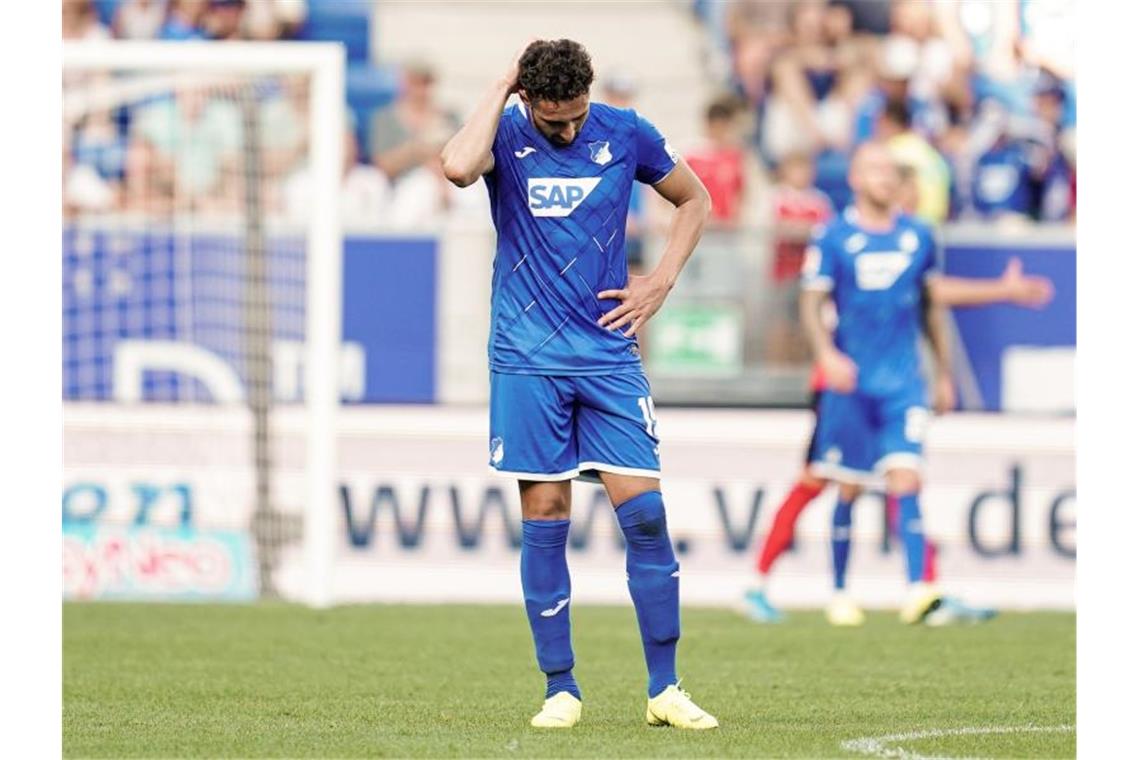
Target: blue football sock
x=840, y=542
x=914, y=542
x=654, y=585
x=546, y=591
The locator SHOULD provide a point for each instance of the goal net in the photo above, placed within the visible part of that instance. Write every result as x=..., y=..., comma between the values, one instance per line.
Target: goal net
x=202, y=317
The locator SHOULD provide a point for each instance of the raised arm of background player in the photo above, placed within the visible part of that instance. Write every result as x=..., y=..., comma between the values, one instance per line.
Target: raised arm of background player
x=942, y=291
x=467, y=155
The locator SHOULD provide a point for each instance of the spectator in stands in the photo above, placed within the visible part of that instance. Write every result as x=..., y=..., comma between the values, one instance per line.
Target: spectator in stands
x=406, y=138
x=797, y=208
x=274, y=19
x=365, y=193
x=803, y=74
x=914, y=20
x=139, y=19
x=186, y=150
x=1052, y=153
x=909, y=148
x=756, y=30
x=184, y=20
x=80, y=22
x=719, y=160
x=84, y=190
x=223, y=19
x=97, y=145
x=284, y=122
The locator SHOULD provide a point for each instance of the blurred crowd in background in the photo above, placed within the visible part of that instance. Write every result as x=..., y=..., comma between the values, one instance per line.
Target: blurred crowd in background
x=976, y=99
x=184, y=148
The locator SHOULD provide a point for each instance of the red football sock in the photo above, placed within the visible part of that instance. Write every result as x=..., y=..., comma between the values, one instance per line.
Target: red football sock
x=783, y=528
x=930, y=563
x=929, y=558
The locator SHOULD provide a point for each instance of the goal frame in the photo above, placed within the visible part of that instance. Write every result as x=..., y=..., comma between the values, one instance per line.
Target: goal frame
x=325, y=63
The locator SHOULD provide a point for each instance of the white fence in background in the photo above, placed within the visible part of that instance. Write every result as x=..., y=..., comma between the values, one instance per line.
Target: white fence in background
x=422, y=519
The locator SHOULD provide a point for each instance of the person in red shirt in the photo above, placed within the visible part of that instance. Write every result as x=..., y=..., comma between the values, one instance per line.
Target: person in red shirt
x=719, y=160
x=797, y=207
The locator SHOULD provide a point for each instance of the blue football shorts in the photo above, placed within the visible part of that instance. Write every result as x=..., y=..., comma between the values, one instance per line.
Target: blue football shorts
x=859, y=435
x=558, y=427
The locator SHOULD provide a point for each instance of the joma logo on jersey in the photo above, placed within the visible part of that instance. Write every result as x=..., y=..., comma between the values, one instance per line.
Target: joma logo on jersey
x=558, y=196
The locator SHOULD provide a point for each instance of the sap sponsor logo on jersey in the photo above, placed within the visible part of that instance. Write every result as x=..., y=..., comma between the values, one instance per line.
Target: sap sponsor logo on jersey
x=879, y=271
x=558, y=196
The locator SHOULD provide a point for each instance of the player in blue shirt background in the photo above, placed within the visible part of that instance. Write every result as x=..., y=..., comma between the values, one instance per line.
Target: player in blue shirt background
x=880, y=269
x=569, y=397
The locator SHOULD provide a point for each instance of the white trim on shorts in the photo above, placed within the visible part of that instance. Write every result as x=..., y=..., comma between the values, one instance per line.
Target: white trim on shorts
x=618, y=470
x=841, y=474
x=578, y=472
x=900, y=460
x=537, y=476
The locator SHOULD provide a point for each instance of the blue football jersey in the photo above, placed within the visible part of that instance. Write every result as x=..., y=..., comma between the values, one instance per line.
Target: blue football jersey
x=560, y=214
x=876, y=280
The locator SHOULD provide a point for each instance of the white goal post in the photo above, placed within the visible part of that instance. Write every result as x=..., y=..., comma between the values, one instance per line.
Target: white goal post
x=324, y=66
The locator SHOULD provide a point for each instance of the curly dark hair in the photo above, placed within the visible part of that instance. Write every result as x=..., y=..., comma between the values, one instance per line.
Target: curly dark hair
x=555, y=70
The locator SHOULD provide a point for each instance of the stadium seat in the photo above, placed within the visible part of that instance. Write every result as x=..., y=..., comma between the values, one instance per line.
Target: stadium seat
x=368, y=88
x=346, y=21
x=106, y=11
x=831, y=177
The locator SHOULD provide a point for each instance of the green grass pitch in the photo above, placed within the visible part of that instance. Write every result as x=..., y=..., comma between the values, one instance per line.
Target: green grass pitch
x=275, y=680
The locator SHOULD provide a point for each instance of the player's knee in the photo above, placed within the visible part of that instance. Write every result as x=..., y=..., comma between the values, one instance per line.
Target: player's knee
x=809, y=480
x=545, y=506
x=849, y=492
x=903, y=481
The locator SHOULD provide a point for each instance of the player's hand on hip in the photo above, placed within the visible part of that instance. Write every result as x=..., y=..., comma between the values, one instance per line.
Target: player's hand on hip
x=839, y=371
x=640, y=300
x=1026, y=290
x=945, y=395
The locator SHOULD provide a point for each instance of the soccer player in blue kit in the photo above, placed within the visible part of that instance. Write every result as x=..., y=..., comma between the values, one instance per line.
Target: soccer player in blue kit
x=880, y=268
x=569, y=397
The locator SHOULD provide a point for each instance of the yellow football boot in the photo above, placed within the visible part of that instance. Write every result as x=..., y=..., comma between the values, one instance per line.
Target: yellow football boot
x=922, y=599
x=673, y=707
x=560, y=711
x=842, y=611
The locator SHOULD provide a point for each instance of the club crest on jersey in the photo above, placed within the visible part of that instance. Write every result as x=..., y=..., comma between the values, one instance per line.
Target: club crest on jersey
x=908, y=241
x=600, y=152
x=855, y=243
x=558, y=196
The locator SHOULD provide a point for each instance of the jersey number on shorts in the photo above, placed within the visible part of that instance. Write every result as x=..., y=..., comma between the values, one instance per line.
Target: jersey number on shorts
x=914, y=426
x=649, y=414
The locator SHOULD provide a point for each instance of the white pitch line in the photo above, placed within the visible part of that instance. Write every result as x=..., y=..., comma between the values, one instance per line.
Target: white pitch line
x=877, y=746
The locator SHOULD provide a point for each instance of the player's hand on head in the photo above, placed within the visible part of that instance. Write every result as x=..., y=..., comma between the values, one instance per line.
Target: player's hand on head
x=512, y=75
x=1026, y=290
x=945, y=394
x=839, y=371
x=640, y=300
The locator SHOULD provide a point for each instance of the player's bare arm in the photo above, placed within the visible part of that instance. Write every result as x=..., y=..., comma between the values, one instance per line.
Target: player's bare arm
x=935, y=322
x=837, y=367
x=643, y=296
x=1014, y=286
x=467, y=156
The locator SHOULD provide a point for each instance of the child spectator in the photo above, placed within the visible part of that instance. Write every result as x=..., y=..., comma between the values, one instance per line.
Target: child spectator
x=718, y=161
x=797, y=208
